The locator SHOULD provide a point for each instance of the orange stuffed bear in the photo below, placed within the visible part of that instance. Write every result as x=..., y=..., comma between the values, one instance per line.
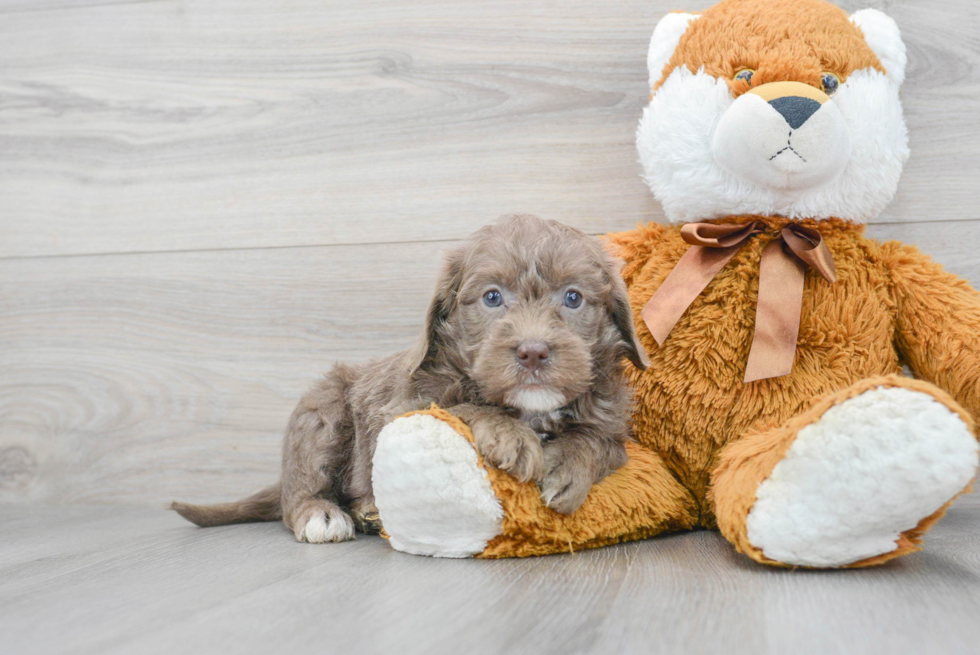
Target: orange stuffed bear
x=774, y=408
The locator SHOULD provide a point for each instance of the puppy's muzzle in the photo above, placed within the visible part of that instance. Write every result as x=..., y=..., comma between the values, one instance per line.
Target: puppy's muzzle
x=533, y=355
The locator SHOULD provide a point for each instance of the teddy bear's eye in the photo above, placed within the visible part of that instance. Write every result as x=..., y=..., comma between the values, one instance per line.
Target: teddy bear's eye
x=744, y=75
x=830, y=83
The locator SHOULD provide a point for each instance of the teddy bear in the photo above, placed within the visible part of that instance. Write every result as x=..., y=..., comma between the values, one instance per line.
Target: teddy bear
x=774, y=408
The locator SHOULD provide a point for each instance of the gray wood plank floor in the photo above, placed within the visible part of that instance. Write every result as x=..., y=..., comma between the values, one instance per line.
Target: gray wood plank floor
x=147, y=126
x=83, y=579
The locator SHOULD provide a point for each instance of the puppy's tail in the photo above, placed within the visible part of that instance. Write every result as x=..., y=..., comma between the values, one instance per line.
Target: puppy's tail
x=263, y=506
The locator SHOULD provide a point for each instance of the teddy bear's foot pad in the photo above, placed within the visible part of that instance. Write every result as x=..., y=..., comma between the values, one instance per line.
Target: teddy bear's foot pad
x=432, y=494
x=869, y=469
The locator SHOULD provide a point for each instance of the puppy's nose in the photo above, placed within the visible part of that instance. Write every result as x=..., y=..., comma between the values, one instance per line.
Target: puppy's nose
x=533, y=354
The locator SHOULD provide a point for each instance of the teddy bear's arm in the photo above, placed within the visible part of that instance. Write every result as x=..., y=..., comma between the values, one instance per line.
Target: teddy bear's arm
x=937, y=322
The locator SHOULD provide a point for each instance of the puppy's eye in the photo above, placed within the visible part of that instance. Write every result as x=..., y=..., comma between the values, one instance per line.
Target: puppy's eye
x=830, y=83
x=493, y=298
x=572, y=299
x=744, y=75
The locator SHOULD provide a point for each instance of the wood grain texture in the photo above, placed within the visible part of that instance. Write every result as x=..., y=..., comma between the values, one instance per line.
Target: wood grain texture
x=140, y=580
x=140, y=378
x=60, y=6
x=209, y=124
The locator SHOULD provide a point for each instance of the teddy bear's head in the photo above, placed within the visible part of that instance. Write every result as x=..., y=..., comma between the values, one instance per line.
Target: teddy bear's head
x=775, y=108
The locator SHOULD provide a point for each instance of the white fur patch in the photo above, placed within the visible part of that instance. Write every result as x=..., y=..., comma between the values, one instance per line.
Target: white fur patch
x=882, y=35
x=316, y=530
x=541, y=399
x=666, y=36
x=432, y=495
x=319, y=530
x=755, y=143
x=677, y=130
x=869, y=469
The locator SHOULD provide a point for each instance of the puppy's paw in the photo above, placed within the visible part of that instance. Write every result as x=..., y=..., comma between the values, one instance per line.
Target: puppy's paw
x=510, y=446
x=323, y=527
x=366, y=517
x=564, y=487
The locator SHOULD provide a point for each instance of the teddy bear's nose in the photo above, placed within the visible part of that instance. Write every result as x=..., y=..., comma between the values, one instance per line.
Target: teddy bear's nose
x=795, y=109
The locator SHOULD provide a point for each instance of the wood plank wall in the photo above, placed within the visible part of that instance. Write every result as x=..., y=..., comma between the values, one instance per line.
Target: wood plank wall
x=204, y=203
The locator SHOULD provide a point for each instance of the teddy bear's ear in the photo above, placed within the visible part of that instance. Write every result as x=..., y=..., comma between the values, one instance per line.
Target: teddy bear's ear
x=664, y=41
x=882, y=35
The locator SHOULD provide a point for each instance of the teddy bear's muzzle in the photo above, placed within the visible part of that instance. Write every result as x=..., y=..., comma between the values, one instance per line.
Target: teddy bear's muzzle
x=784, y=136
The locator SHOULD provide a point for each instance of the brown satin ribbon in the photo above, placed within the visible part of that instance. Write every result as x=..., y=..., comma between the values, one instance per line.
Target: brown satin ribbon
x=781, y=270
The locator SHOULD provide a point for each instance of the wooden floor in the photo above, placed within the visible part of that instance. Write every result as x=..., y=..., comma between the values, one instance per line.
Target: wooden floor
x=84, y=579
x=205, y=203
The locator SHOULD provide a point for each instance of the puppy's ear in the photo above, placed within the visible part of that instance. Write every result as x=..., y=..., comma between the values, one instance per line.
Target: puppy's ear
x=443, y=300
x=622, y=315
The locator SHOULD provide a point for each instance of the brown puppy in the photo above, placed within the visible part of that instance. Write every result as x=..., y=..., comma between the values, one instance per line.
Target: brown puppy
x=523, y=340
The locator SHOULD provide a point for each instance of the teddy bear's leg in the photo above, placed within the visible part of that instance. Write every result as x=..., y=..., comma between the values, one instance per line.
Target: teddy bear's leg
x=856, y=480
x=436, y=497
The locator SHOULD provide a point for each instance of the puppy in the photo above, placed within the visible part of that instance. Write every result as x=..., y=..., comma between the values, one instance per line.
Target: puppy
x=524, y=340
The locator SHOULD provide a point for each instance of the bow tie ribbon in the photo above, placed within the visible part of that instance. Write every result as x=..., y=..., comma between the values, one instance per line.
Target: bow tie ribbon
x=781, y=271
